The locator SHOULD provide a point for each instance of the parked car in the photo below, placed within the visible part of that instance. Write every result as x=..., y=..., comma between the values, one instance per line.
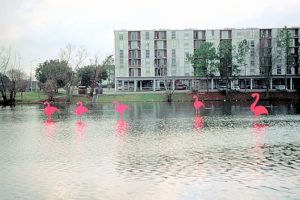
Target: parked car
x=82, y=90
x=126, y=87
x=280, y=88
x=222, y=88
x=180, y=87
x=235, y=88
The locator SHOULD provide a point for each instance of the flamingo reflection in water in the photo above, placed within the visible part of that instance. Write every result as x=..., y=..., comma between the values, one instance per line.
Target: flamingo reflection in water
x=198, y=123
x=121, y=127
x=259, y=132
x=80, y=129
x=50, y=127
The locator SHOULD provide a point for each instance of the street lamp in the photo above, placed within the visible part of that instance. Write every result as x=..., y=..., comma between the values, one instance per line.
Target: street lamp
x=31, y=72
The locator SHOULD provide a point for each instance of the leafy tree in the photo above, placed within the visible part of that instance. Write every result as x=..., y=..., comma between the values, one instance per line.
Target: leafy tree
x=231, y=59
x=226, y=68
x=284, y=42
x=204, y=61
x=86, y=74
x=55, y=70
x=242, y=51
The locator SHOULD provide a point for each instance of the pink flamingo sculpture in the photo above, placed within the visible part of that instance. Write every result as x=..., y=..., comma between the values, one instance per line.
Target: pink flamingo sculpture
x=257, y=110
x=120, y=108
x=50, y=110
x=197, y=104
x=80, y=109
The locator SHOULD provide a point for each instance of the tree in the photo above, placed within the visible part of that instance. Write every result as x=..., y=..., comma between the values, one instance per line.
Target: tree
x=204, y=61
x=242, y=52
x=284, y=42
x=86, y=74
x=8, y=79
x=98, y=69
x=55, y=70
x=74, y=61
x=231, y=59
x=19, y=78
x=50, y=88
x=225, y=66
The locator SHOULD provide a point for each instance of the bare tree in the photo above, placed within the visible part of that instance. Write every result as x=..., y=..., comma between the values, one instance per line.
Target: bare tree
x=74, y=61
x=8, y=81
x=168, y=90
x=98, y=69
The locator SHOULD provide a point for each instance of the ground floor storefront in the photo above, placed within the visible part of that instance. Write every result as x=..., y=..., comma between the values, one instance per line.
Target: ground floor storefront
x=288, y=82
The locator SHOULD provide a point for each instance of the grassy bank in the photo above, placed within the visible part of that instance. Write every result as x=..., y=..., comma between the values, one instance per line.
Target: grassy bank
x=38, y=97
x=145, y=97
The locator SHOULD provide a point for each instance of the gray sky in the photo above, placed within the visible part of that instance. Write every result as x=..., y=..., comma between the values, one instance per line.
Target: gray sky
x=39, y=28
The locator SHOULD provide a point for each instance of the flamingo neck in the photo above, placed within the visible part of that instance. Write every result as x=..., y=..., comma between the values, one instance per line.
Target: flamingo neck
x=253, y=105
x=47, y=104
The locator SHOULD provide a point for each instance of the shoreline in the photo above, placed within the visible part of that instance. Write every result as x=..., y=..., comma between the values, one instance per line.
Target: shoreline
x=186, y=96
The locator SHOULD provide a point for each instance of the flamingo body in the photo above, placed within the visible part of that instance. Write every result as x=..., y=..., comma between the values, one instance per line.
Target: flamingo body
x=50, y=110
x=198, y=104
x=258, y=110
x=120, y=108
x=80, y=109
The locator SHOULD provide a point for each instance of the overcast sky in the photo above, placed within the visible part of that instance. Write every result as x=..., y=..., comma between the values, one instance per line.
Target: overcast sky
x=37, y=29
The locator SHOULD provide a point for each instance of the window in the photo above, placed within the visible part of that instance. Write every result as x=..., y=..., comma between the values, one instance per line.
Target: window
x=252, y=63
x=173, y=53
x=147, y=53
x=147, y=35
x=252, y=52
x=186, y=45
x=252, y=43
x=186, y=56
x=121, y=53
x=173, y=62
x=278, y=69
x=134, y=45
x=121, y=62
x=173, y=72
x=186, y=35
x=120, y=36
x=173, y=35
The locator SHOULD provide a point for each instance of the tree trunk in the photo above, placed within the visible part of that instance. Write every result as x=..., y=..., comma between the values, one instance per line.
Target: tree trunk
x=207, y=88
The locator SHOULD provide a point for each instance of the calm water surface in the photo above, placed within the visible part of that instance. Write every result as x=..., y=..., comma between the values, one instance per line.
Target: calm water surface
x=159, y=151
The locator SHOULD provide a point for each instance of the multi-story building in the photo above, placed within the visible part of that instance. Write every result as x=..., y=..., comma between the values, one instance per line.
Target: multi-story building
x=148, y=59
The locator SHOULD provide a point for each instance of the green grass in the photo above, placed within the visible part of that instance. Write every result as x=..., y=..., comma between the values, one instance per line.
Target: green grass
x=34, y=97
x=38, y=96
x=151, y=97
x=31, y=97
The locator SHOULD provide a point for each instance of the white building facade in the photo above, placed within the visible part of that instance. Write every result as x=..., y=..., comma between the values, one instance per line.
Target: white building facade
x=144, y=59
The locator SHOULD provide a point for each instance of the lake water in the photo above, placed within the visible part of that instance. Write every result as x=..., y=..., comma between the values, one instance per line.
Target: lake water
x=159, y=151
